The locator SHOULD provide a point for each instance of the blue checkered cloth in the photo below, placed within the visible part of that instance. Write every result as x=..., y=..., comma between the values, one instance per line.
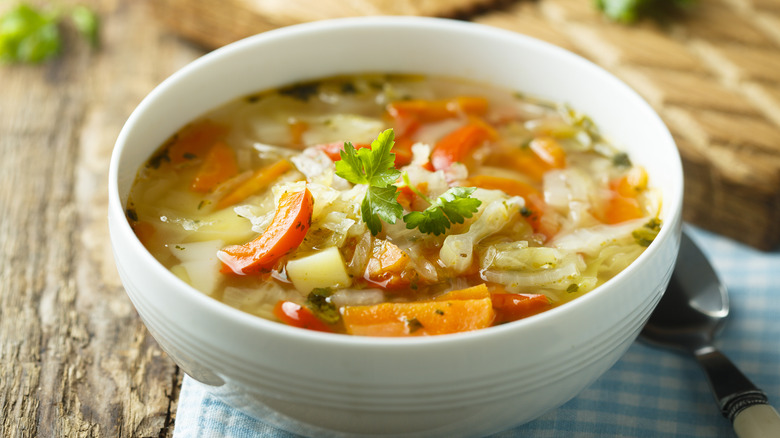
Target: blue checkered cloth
x=648, y=393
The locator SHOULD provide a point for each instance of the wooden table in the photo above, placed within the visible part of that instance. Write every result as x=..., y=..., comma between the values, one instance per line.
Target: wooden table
x=75, y=359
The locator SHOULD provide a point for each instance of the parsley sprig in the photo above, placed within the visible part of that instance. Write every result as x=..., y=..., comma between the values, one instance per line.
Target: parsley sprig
x=376, y=169
x=32, y=35
x=452, y=207
x=630, y=11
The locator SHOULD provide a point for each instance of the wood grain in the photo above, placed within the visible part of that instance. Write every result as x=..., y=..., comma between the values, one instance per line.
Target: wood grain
x=75, y=360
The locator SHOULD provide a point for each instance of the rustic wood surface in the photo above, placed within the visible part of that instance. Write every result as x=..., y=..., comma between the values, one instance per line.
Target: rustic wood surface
x=75, y=360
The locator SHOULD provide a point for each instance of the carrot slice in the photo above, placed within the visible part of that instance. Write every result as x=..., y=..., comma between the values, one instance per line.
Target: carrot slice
x=458, y=145
x=260, y=180
x=623, y=204
x=419, y=318
x=435, y=110
x=218, y=166
x=285, y=233
x=386, y=265
x=477, y=292
x=621, y=209
x=298, y=316
x=511, y=307
x=549, y=151
x=195, y=140
x=297, y=129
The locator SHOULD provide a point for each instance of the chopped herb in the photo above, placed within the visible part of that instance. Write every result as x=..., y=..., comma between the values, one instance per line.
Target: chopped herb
x=86, y=22
x=439, y=312
x=253, y=98
x=162, y=155
x=317, y=301
x=189, y=155
x=645, y=235
x=621, y=159
x=28, y=35
x=519, y=95
x=414, y=324
x=204, y=203
x=31, y=35
x=574, y=287
x=629, y=11
x=348, y=88
x=132, y=214
x=375, y=168
x=452, y=207
x=377, y=85
x=302, y=92
x=525, y=211
x=180, y=248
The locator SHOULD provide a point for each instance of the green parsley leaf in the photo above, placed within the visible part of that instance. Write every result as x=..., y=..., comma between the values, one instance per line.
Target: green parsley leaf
x=86, y=22
x=629, y=11
x=380, y=202
x=317, y=301
x=645, y=234
x=27, y=35
x=375, y=168
x=452, y=207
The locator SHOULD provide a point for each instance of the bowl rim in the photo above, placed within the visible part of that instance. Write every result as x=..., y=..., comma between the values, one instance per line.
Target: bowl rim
x=672, y=202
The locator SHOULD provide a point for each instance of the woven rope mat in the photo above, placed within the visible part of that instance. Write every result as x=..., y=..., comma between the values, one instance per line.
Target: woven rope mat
x=712, y=73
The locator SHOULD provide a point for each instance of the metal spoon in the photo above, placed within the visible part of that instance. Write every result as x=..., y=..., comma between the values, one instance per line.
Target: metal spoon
x=690, y=314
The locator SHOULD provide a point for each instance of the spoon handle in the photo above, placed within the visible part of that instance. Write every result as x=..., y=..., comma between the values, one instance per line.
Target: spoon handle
x=744, y=404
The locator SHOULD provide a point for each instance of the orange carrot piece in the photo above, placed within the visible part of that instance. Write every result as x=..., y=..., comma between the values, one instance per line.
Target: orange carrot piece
x=511, y=307
x=218, y=166
x=145, y=231
x=436, y=110
x=260, y=180
x=297, y=129
x=419, y=318
x=195, y=140
x=549, y=151
x=458, y=145
x=299, y=316
x=285, y=233
x=621, y=208
x=477, y=292
x=386, y=265
x=623, y=205
x=406, y=197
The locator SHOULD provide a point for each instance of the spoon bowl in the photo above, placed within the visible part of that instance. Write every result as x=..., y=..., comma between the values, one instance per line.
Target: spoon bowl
x=695, y=306
x=689, y=316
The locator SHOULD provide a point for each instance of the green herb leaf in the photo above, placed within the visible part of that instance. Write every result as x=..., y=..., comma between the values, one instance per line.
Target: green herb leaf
x=629, y=11
x=375, y=168
x=86, y=22
x=380, y=202
x=452, y=207
x=27, y=35
x=645, y=235
x=317, y=301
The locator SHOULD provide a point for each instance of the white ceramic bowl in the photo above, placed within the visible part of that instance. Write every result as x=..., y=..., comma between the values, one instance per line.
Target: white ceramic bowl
x=469, y=384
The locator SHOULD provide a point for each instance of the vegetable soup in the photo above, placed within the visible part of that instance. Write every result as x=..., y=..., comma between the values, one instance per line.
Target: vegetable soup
x=393, y=205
